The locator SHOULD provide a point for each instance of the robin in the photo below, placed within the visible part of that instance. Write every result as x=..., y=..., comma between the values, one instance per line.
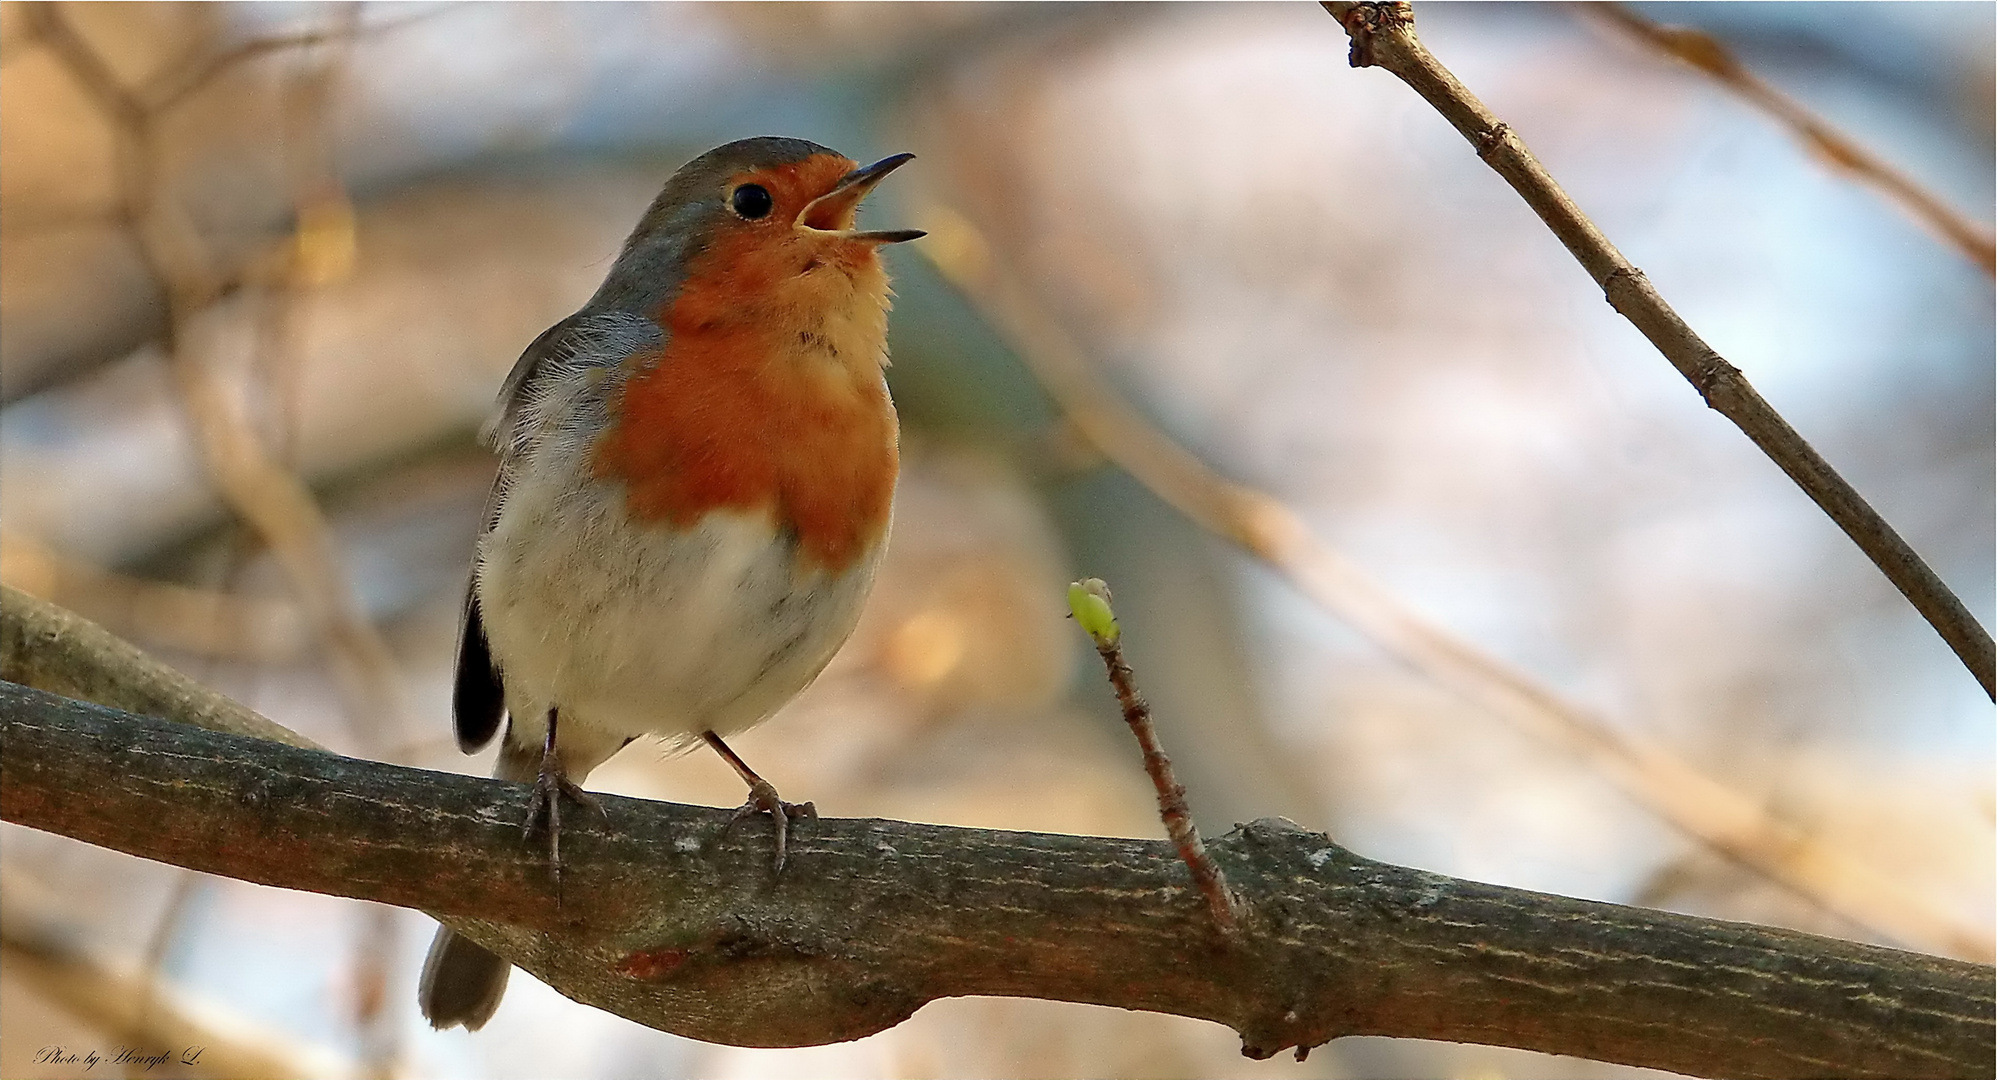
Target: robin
x=696, y=475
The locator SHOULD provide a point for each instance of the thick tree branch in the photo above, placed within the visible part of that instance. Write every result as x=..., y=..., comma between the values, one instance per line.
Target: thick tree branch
x=671, y=925
x=668, y=922
x=1383, y=36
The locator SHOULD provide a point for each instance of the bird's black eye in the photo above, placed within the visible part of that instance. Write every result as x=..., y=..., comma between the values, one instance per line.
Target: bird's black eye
x=752, y=201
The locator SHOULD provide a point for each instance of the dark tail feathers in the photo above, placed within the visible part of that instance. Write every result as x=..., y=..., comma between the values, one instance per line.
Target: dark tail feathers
x=462, y=983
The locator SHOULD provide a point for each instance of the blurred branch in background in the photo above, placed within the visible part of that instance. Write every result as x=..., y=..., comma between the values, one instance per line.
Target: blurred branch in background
x=1690, y=801
x=322, y=250
x=47, y=646
x=140, y=1014
x=259, y=488
x=322, y=247
x=191, y=73
x=1383, y=36
x=1704, y=52
x=204, y=622
x=177, y=84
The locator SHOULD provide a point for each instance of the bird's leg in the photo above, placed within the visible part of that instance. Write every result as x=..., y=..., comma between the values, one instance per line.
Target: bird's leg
x=762, y=798
x=551, y=784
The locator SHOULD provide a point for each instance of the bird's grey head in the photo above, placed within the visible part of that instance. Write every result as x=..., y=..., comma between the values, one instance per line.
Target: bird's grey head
x=691, y=208
x=787, y=198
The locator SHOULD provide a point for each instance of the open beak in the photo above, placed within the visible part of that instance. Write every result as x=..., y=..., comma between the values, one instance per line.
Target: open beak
x=827, y=214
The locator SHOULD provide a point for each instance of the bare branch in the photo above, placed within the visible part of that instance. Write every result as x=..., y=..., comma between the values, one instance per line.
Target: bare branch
x=172, y=87
x=667, y=921
x=1383, y=35
x=1701, y=807
x=1704, y=52
x=192, y=73
x=44, y=24
x=283, y=511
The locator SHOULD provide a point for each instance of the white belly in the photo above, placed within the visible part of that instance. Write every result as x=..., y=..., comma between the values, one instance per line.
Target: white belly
x=632, y=630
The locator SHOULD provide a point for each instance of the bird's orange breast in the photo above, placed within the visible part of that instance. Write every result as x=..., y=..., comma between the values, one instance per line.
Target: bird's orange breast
x=752, y=407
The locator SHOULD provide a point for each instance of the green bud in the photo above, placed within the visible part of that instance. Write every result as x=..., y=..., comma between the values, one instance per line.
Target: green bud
x=1088, y=600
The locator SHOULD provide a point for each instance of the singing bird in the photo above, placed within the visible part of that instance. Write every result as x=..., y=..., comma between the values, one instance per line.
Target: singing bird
x=696, y=475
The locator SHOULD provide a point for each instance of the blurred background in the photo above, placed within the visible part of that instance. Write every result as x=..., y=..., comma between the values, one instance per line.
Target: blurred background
x=295, y=248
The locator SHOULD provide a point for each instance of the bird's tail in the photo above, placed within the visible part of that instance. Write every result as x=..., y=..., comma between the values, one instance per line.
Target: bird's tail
x=462, y=982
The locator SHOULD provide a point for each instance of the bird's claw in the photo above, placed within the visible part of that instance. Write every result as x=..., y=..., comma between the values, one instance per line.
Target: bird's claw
x=551, y=786
x=763, y=799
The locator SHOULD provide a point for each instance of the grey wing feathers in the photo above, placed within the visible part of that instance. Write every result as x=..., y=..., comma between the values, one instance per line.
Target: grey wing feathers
x=533, y=397
x=533, y=389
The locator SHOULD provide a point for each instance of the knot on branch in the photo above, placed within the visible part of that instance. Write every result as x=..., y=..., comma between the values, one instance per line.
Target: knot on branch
x=1630, y=293
x=1295, y=1010
x=1263, y=832
x=1715, y=379
x=1262, y=1047
x=1362, y=21
x=1489, y=141
x=1622, y=284
x=729, y=946
x=774, y=987
x=1625, y=289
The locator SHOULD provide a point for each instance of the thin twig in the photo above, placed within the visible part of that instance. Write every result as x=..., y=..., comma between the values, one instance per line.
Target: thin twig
x=1383, y=35
x=1089, y=602
x=1265, y=527
x=174, y=86
x=170, y=88
x=1704, y=52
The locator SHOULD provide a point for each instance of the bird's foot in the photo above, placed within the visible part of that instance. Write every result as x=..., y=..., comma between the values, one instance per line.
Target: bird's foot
x=551, y=786
x=763, y=799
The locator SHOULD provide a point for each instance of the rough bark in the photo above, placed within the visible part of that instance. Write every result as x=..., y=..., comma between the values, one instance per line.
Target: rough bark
x=668, y=922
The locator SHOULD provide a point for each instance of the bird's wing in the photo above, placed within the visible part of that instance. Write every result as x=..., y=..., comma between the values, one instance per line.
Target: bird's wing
x=532, y=399
x=478, y=698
